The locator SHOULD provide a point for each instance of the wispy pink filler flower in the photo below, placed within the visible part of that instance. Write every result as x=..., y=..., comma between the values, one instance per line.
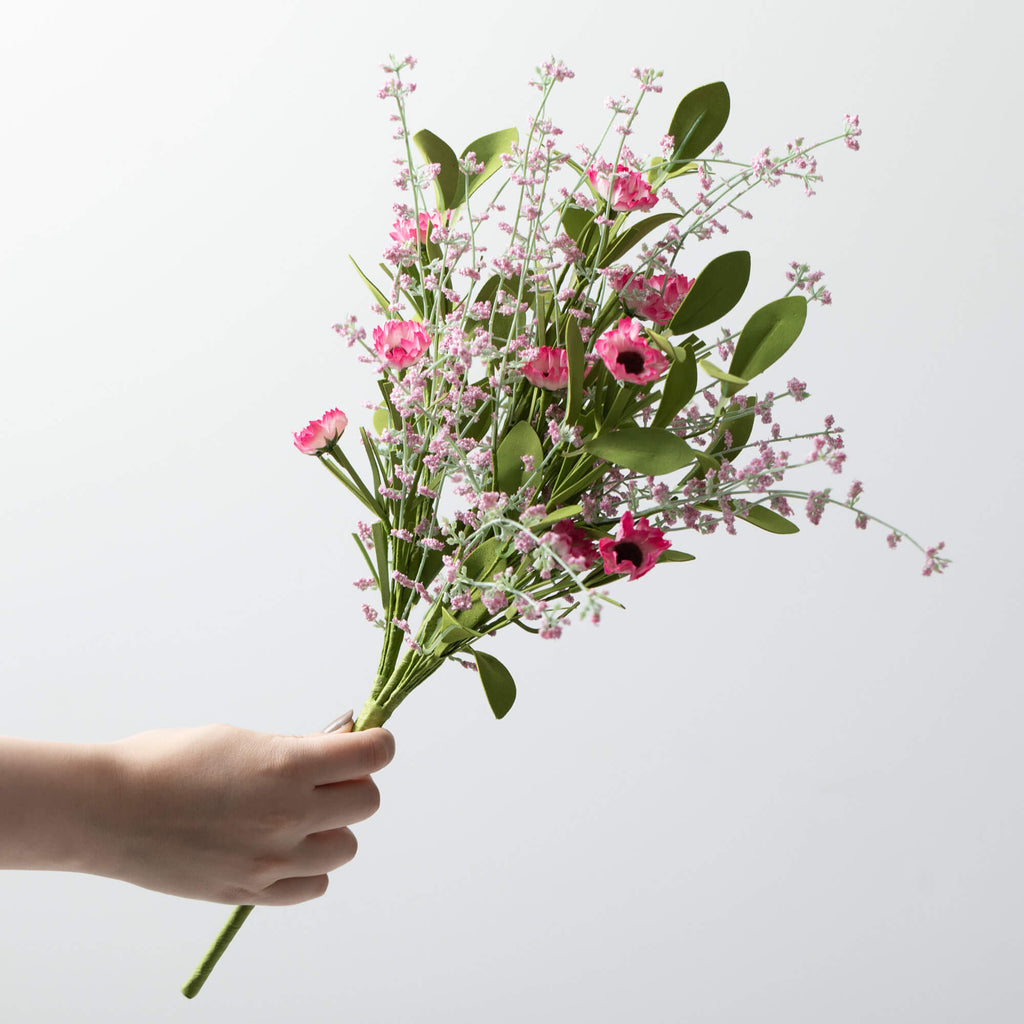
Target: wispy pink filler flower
x=400, y=342
x=628, y=189
x=405, y=230
x=627, y=356
x=633, y=549
x=573, y=545
x=549, y=368
x=320, y=434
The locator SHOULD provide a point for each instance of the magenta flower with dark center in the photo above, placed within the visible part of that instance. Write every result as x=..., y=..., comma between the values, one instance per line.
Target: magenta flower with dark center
x=627, y=356
x=634, y=549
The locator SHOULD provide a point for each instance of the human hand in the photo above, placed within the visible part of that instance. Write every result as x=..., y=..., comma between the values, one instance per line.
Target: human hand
x=231, y=816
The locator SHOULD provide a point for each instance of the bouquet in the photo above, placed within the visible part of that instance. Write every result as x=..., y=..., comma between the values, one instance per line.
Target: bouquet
x=550, y=422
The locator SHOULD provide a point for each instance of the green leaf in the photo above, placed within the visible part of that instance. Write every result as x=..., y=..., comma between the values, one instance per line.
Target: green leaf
x=713, y=371
x=488, y=150
x=437, y=151
x=577, y=223
x=763, y=517
x=566, y=512
x=521, y=440
x=768, y=334
x=575, y=352
x=380, y=550
x=381, y=420
x=382, y=300
x=480, y=562
x=499, y=686
x=675, y=556
x=647, y=450
x=680, y=385
x=698, y=121
x=624, y=242
x=719, y=286
x=453, y=632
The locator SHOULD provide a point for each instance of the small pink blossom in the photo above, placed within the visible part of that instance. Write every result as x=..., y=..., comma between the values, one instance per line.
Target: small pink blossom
x=628, y=190
x=654, y=298
x=400, y=342
x=320, y=434
x=627, y=356
x=548, y=369
x=571, y=544
x=405, y=229
x=633, y=549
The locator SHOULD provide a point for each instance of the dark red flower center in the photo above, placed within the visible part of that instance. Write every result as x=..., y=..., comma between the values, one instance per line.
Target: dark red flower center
x=627, y=551
x=632, y=362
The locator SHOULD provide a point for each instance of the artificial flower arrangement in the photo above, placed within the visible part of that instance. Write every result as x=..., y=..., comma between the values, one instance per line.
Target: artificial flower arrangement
x=549, y=419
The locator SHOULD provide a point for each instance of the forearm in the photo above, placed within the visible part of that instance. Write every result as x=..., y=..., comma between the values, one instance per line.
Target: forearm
x=49, y=797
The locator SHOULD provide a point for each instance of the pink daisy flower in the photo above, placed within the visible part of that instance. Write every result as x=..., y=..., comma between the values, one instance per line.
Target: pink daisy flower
x=400, y=342
x=633, y=549
x=320, y=434
x=627, y=356
x=549, y=368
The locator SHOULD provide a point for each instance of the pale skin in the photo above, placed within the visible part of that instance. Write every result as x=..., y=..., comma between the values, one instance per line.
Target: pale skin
x=210, y=813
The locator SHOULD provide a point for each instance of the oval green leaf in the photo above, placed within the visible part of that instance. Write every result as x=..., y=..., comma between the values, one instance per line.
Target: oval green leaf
x=488, y=150
x=521, y=440
x=768, y=335
x=499, y=686
x=647, y=450
x=624, y=242
x=698, y=121
x=680, y=385
x=449, y=179
x=719, y=286
x=767, y=519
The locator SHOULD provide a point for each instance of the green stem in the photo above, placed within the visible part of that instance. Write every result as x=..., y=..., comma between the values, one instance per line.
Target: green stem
x=191, y=988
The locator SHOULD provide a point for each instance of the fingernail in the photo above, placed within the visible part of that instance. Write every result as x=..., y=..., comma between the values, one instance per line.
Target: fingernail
x=340, y=722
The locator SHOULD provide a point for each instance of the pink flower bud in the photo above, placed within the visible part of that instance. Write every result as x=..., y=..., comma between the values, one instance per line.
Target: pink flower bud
x=548, y=369
x=320, y=434
x=400, y=342
x=628, y=189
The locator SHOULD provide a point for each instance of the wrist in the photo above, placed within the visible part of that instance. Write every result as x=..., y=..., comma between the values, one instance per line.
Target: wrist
x=52, y=800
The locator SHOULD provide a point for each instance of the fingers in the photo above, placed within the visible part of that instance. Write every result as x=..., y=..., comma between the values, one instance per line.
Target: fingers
x=307, y=867
x=344, y=803
x=341, y=756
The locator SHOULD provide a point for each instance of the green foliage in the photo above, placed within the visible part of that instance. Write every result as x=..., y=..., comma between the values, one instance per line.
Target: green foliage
x=449, y=179
x=381, y=299
x=575, y=352
x=767, y=336
x=764, y=518
x=521, y=440
x=698, y=121
x=621, y=244
x=680, y=384
x=647, y=450
x=499, y=686
x=675, y=556
x=489, y=150
x=719, y=286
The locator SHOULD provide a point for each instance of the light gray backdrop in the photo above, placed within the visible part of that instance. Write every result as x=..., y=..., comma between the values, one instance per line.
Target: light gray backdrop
x=782, y=787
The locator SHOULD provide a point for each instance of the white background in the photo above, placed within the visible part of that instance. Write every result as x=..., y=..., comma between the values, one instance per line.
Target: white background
x=783, y=786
